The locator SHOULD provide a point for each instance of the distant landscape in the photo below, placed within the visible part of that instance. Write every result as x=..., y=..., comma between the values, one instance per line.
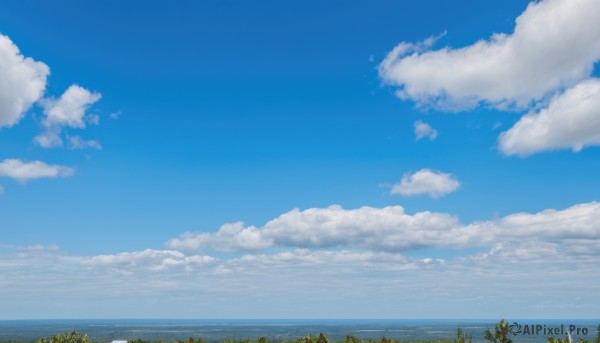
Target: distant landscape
x=247, y=331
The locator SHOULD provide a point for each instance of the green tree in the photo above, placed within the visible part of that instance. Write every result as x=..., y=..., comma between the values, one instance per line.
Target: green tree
x=581, y=340
x=500, y=333
x=322, y=338
x=461, y=337
x=307, y=339
x=71, y=337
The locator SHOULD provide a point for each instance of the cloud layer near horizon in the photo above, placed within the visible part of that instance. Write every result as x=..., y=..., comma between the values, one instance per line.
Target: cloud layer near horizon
x=332, y=253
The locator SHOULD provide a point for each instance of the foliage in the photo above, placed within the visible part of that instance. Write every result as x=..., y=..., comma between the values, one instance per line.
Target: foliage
x=310, y=339
x=500, y=334
x=71, y=337
x=581, y=340
x=461, y=337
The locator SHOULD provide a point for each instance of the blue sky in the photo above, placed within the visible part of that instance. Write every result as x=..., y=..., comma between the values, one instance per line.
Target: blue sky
x=442, y=133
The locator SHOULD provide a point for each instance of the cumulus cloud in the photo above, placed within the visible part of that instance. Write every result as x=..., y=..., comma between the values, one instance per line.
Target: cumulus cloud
x=388, y=228
x=67, y=111
x=571, y=120
x=190, y=241
x=554, y=45
x=363, y=227
x=423, y=130
x=70, y=108
x=426, y=181
x=229, y=237
x=23, y=82
x=545, y=64
x=576, y=222
x=572, y=231
x=25, y=171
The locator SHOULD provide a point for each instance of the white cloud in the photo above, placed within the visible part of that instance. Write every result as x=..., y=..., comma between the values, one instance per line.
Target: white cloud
x=24, y=171
x=554, y=45
x=423, y=130
x=571, y=120
x=340, y=262
x=425, y=181
x=76, y=142
x=22, y=83
x=236, y=237
x=68, y=111
x=573, y=231
x=49, y=139
x=39, y=247
x=93, y=119
x=229, y=237
x=190, y=241
x=339, y=258
x=388, y=228
x=150, y=259
x=576, y=222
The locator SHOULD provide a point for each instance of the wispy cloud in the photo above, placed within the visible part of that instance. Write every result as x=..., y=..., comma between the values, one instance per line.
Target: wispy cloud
x=25, y=171
x=150, y=259
x=76, y=142
x=423, y=130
